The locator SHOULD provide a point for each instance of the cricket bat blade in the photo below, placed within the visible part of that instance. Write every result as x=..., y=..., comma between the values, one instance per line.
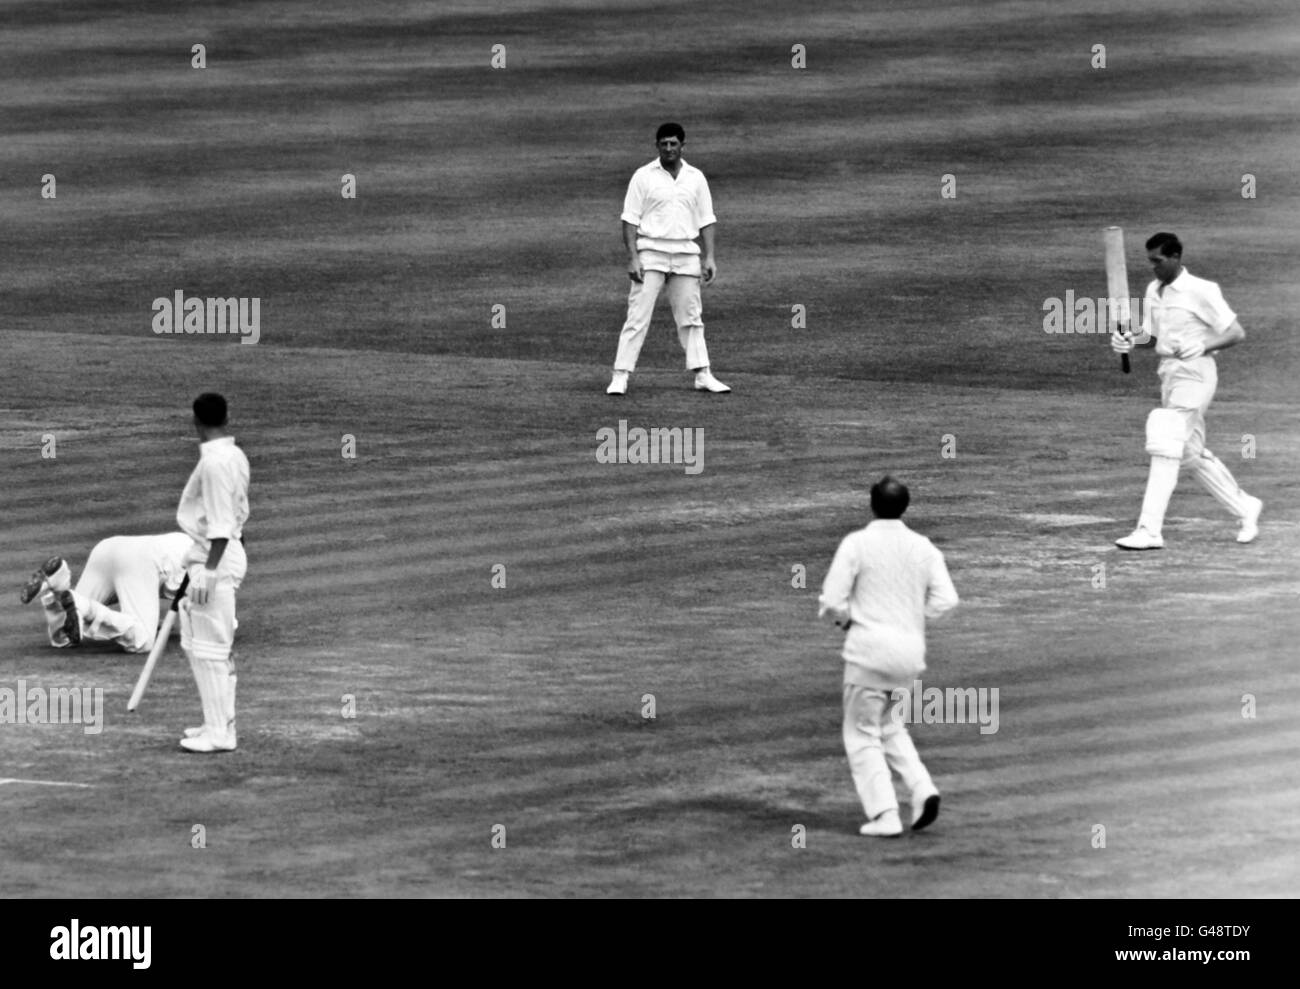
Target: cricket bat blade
x=159, y=644
x=1117, y=302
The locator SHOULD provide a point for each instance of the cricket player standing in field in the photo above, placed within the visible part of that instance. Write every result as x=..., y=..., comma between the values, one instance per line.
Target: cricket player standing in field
x=883, y=584
x=132, y=572
x=1186, y=319
x=666, y=210
x=212, y=512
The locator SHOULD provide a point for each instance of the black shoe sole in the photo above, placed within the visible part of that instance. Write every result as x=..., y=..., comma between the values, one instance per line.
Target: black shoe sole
x=32, y=588
x=928, y=813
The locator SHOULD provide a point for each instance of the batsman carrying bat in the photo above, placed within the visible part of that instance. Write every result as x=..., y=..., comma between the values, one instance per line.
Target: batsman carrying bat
x=1185, y=319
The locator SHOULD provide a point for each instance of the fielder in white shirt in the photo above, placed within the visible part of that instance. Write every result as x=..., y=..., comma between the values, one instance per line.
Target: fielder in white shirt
x=1186, y=319
x=883, y=584
x=121, y=593
x=212, y=512
x=667, y=209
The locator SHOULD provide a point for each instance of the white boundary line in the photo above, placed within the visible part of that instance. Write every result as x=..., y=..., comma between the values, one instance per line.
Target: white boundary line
x=85, y=786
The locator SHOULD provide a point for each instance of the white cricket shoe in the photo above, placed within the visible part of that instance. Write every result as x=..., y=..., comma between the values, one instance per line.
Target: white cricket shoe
x=617, y=384
x=705, y=381
x=887, y=825
x=925, y=808
x=1250, y=522
x=194, y=732
x=210, y=741
x=1141, y=538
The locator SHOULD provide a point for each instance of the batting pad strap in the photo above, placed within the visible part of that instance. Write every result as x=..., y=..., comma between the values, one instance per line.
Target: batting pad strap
x=1166, y=433
x=210, y=652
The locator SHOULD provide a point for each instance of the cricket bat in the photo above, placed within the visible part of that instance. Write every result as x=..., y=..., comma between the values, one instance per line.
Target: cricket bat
x=1117, y=285
x=159, y=644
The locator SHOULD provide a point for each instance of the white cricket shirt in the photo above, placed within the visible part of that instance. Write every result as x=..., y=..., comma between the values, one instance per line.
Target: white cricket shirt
x=668, y=212
x=1189, y=310
x=214, y=504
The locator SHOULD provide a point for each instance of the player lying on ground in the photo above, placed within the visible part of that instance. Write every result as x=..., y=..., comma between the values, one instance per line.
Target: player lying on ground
x=1185, y=319
x=131, y=572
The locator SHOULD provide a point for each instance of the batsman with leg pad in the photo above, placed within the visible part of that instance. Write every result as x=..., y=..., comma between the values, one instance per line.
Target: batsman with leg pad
x=213, y=510
x=1175, y=438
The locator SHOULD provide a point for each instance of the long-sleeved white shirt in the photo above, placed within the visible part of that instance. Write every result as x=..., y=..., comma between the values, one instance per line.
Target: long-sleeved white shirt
x=888, y=580
x=214, y=504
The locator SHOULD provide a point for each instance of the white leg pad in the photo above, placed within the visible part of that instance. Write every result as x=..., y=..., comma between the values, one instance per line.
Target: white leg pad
x=1166, y=433
x=211, y=691
x=1161, y=481
x=228, y=682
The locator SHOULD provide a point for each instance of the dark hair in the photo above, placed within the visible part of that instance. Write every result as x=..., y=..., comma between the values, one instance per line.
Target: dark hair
x=889, y=498
x=1168, y=244
x=210, y=410
x=670, y=130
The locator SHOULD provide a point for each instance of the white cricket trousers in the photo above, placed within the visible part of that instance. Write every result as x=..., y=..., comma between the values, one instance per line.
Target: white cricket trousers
x=681, y=273
x=877, y=741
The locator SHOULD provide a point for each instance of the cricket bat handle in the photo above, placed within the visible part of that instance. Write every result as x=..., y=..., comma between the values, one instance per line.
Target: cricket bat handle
x=159, y=644
x=1124, y=364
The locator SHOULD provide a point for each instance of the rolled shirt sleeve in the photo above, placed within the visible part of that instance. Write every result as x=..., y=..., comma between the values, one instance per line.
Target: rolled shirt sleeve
x=704, y=205
x=634, y=200
x=1215, y=309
